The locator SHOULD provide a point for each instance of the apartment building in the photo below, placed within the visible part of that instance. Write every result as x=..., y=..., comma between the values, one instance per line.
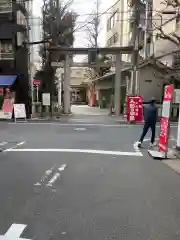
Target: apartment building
x=120, y=24
x=117, y=29
x=166, y=18
x=14, y=53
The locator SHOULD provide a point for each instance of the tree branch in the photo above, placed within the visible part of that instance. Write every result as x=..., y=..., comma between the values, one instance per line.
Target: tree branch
x=168, y=37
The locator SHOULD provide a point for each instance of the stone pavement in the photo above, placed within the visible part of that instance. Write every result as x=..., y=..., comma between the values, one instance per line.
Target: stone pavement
x=87, y=110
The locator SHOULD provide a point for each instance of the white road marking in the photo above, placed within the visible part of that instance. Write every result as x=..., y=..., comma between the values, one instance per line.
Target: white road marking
x=80, y=129
x=37, y=184
x=75, y=124
x=53, y=179
x=15, y=146
x=124, y=124
x=21, y=143
x=90, y=151
x=45, y=176
x=14, y=232
x=62, y=167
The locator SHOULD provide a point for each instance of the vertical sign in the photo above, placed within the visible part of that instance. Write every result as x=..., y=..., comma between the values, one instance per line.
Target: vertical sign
x=134, y=109
x=164, y=122
x=46, y=99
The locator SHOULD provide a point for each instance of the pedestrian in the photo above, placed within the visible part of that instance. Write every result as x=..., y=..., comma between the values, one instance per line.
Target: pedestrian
x=150, y=118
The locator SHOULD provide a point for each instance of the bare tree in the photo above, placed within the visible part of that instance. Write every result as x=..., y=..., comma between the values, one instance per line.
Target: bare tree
x=169, y=72
x=93, y=26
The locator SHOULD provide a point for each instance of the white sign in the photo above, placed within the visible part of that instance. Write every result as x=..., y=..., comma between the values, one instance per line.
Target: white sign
x=57, y=64
x=14, y=232
x=46, y=99
x=19, y=111
x=176, y=95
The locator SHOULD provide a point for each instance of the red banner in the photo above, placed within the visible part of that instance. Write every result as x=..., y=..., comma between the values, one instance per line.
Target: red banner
x=134, y=111
x=164, y=122
x=7, y=106
x=36, y=82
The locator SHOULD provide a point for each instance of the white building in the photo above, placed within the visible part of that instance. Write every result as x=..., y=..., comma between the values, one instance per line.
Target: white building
x=117, y=29
x=35, y=35
x=78, y=88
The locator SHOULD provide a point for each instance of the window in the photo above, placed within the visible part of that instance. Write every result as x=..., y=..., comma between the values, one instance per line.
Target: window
x=108, y=25
x=115, y=37
x=5, y=6
x=157, y=36
x=6, y=49
x=111, y=41
x=21, y=20
x=112, y=21
x=178, y=22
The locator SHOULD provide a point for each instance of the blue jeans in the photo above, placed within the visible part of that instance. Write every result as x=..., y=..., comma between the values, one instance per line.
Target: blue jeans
x=146, y=127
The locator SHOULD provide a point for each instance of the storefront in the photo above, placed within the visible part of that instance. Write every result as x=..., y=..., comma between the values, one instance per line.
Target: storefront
x=7, y=95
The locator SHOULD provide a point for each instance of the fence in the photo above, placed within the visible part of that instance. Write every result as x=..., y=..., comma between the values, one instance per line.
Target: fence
x=45, y=111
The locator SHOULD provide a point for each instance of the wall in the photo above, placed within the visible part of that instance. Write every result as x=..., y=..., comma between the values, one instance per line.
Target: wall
x=150, y=89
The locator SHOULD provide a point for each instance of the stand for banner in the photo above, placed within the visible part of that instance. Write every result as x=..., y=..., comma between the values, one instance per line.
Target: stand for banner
x=20, y=113
x=163, y=151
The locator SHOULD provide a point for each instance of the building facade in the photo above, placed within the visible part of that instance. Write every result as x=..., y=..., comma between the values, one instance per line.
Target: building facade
x=77, y=84
x=117, y=28
x=14, y=52
x=165, y=17
x=35, y=35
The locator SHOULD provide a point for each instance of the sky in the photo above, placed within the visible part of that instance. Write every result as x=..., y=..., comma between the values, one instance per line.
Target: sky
x=83, y=8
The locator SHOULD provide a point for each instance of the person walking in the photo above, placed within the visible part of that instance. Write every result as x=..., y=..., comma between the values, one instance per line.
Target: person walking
x=150, y=118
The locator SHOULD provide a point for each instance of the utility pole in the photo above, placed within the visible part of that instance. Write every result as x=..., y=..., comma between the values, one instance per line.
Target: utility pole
x=146, y=29
x=96, y=31
x=117, y=85
x=135, y=55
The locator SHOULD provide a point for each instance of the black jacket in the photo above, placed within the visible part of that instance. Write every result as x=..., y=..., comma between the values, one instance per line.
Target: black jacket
x=150, y=115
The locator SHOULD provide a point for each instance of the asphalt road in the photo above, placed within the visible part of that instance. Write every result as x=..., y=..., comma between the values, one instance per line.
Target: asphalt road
x=77, y=181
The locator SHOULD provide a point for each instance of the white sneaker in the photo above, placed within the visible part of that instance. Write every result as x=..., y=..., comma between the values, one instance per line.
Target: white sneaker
x=152, y=145
x=139, y=144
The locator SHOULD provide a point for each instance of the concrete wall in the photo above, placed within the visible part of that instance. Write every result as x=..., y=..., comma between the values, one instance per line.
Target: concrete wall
x=150, y=86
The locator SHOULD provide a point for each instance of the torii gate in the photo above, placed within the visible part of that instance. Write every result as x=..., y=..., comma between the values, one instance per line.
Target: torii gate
x=118, y=51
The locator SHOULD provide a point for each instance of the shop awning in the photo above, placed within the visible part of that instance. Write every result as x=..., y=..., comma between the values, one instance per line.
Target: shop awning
x=7, y=80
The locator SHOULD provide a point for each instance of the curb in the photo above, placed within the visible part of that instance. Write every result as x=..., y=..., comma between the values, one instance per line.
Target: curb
x=174, y=164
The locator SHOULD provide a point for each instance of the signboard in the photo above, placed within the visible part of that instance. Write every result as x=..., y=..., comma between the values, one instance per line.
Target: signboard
x=134, y=110
x=36, y=82
x=176, y=97
x=57, y=64
x=19, y=111
x=46, y=99
x=164, y=122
